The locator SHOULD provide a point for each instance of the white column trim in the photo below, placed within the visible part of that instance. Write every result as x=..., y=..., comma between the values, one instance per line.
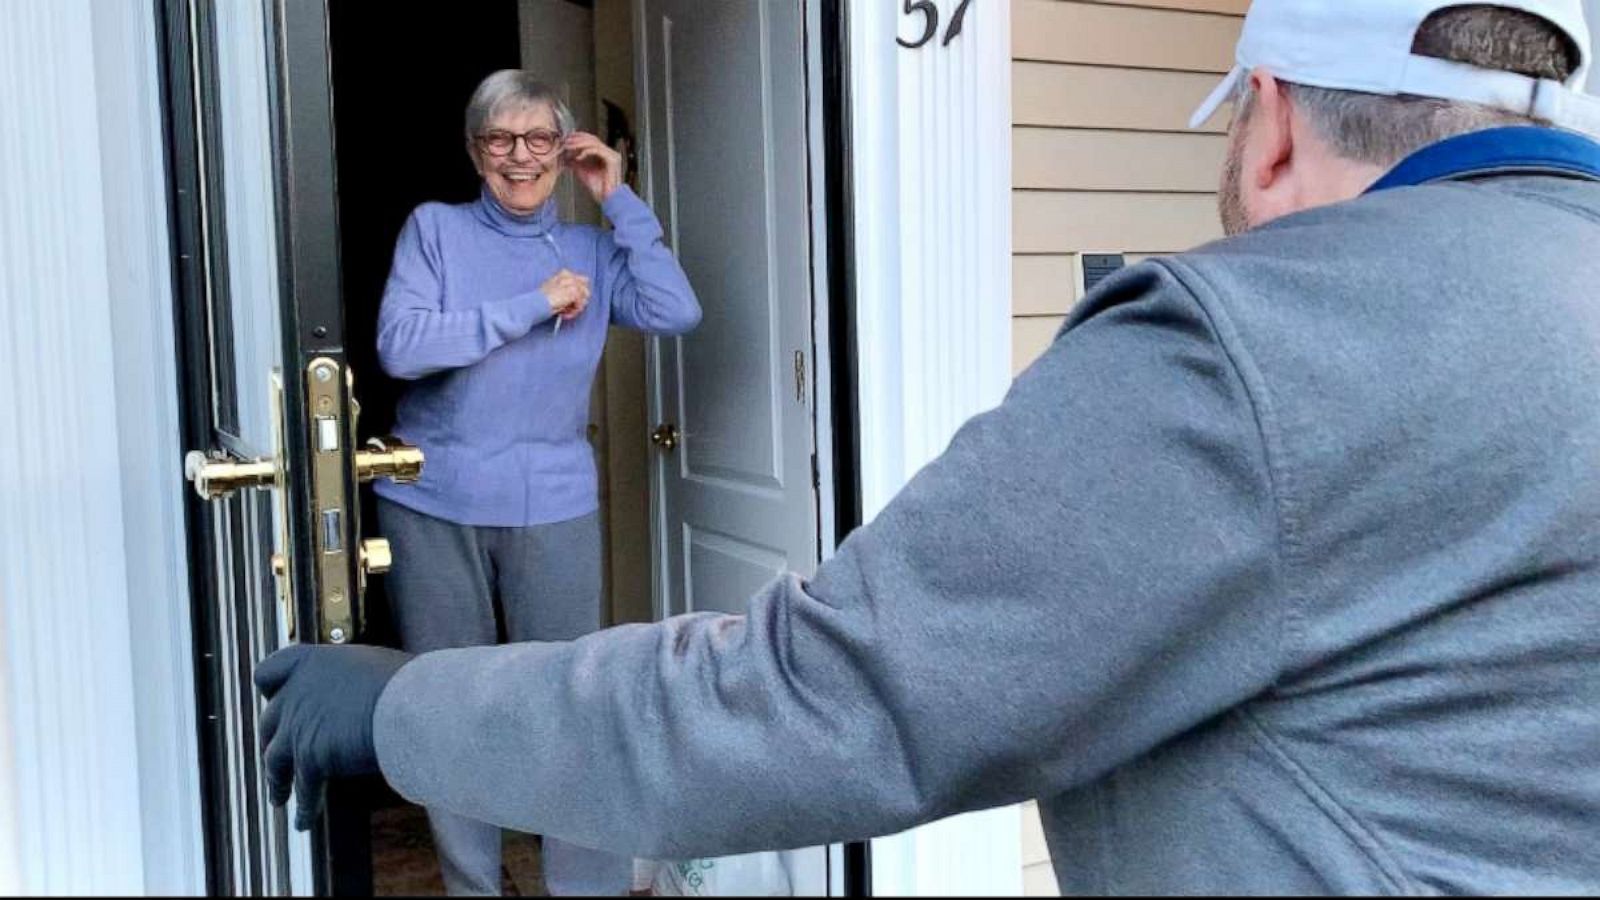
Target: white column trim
x=63, y=573
x=931, y=158
x=10, y=847
x=97, y=774
x=138, y=268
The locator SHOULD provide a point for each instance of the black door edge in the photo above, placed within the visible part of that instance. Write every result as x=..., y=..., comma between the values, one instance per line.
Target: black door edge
x=176, y=61
x=842, y=327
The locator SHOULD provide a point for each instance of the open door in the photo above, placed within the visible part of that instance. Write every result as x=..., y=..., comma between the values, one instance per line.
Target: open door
x=275, y=534
x=723, y=92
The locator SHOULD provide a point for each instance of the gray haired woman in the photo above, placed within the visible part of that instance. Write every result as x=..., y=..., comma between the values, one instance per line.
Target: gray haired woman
x=497, y=313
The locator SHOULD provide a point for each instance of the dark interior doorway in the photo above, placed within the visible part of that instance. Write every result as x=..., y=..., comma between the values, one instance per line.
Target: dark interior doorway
x=401, y=80
x=402, y=75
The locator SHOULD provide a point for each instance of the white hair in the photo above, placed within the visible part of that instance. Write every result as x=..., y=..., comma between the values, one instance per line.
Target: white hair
x=514, y=89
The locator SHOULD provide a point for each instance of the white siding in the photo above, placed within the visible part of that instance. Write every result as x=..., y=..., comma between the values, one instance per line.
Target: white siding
x=1104, y=161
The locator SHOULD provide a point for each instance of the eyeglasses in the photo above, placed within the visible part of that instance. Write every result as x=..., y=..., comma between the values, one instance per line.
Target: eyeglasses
x=501, y=143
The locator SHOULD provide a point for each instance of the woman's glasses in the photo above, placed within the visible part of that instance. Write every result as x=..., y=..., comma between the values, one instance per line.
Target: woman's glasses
x=540, y=141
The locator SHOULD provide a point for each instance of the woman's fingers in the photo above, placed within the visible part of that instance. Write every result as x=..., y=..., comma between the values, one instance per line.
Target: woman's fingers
x=564, y=289
x=580, y=285
x=584, y=147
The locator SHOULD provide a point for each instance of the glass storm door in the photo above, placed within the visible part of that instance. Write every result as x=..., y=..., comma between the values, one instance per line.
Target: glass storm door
x=275, y=539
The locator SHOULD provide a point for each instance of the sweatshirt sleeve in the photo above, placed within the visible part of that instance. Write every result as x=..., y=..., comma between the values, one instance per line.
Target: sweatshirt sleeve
x=417, y=337
x=1087, y=571
x=647, y=287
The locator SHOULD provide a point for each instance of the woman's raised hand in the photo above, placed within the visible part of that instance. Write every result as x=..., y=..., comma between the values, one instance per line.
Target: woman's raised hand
x=596, y=166
x=568, y=293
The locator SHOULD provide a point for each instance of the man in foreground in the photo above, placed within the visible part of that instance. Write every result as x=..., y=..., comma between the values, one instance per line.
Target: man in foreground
x=1276, y=573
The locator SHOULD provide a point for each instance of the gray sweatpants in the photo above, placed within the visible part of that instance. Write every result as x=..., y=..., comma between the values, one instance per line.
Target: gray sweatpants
x=442, y=587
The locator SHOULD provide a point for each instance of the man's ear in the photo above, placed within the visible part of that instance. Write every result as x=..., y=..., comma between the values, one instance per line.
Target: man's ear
x=1273, y=135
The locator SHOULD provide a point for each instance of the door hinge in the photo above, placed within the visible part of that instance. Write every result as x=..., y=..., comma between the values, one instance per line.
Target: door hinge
x=799, y=376
x=816, y=473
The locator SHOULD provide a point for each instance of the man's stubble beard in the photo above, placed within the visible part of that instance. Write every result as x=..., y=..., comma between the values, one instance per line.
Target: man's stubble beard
x=1230, y=199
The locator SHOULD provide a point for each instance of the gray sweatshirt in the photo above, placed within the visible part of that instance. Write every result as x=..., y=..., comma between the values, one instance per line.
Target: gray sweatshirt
x=1278, y=572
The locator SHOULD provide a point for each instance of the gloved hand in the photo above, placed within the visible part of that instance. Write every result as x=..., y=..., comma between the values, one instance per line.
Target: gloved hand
x=318, y=720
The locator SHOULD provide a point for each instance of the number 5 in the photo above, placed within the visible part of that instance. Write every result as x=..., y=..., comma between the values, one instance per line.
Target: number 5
x=931, y=14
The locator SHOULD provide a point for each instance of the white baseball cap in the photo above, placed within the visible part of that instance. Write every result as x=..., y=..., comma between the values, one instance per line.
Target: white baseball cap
x=1365, y=45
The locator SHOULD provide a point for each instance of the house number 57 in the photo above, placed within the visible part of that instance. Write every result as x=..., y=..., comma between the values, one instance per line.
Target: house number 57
x=930, y=22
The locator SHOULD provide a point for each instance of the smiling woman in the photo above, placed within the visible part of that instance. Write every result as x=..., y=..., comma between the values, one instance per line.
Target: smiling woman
x=515, y=128
x=506, y=513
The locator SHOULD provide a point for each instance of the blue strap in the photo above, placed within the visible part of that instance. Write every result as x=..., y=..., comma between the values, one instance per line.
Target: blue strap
x=1520, y=149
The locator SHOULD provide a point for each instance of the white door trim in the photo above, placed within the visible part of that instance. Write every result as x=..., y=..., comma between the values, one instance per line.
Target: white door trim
x=931, y=159
x=100, y=757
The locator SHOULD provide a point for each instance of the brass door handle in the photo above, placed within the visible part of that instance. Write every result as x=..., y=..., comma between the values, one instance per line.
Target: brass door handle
x=217, y=478
x=391, y=458
x=665, y=437
x=336, y=516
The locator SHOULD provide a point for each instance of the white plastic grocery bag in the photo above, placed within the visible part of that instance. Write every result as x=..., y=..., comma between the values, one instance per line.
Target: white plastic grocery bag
x=749, y=875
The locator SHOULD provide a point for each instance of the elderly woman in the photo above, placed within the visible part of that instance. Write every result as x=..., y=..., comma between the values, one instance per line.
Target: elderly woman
x=496, y=313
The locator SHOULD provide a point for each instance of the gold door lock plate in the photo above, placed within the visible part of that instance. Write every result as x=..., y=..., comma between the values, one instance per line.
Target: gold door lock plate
x=342, y=586
x=333, y=508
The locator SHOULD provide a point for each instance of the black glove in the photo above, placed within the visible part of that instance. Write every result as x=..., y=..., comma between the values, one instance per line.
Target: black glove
x=318, y=720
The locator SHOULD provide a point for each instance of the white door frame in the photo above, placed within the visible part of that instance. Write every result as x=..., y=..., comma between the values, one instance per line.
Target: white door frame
x=99, y=777
x=931, y=160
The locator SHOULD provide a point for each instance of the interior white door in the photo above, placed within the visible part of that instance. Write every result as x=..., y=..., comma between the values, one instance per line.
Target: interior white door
x=724, y=99
x=724, y=122
x=558, y=47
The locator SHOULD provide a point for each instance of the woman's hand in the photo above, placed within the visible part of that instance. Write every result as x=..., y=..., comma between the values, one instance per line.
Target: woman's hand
x=568, y=293
x=596, y=166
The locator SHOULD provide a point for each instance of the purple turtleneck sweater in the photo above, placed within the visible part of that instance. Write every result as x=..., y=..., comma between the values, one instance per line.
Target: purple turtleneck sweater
x=498, y=400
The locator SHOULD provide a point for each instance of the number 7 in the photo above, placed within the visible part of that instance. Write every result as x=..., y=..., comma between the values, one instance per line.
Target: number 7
x=956, y=22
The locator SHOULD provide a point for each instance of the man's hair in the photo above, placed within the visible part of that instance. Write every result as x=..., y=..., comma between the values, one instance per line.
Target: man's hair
x=1383, y=130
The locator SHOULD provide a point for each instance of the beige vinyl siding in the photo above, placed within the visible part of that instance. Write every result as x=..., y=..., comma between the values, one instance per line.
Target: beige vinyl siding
x=1103, y=161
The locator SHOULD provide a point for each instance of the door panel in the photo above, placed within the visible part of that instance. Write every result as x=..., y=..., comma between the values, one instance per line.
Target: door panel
x=723, y=96
x=724, y=92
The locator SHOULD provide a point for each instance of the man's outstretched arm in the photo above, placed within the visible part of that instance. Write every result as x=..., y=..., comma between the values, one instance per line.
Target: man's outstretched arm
x=1087, y=571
